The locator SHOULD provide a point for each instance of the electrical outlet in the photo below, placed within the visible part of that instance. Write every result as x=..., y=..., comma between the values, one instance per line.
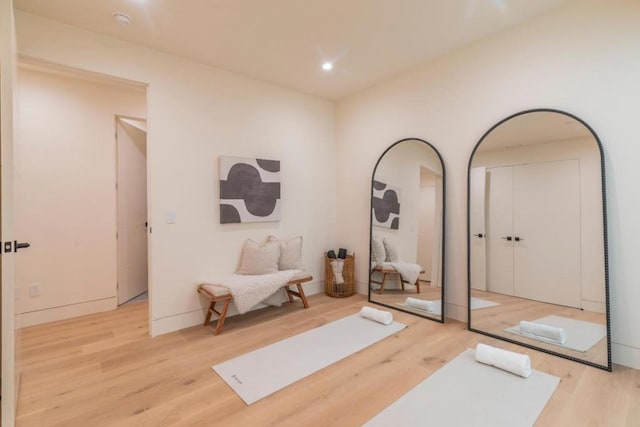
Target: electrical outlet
x=34, y=290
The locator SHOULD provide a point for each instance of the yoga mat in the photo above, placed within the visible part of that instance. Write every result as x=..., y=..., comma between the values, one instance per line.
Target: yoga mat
x=264, y=371
x=436, y=312
x=477, y=303
x=468, y=393
x=581, y=335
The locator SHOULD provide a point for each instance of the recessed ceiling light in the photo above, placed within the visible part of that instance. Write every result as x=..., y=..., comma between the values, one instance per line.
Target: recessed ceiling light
x=327, y=66
x=122, y=18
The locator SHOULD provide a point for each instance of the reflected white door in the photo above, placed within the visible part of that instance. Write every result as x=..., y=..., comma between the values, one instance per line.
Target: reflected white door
x=132, y=209
x=499, y=228
x=546, y=215
x=477, y=240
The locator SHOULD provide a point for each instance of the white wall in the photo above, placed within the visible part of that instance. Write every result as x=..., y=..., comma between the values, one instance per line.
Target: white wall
x=195, y=114
x=65, y=194
x=582, y=58
x=585, y=151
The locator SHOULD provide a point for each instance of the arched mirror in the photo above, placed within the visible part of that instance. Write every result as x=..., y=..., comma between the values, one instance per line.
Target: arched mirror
x=537, y=237
x=407, y=230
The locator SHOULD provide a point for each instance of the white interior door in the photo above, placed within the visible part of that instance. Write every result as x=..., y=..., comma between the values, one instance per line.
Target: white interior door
x=9, y=376
x=426, y=222
x=499, y=228
x=547, y=217
x=477, y=240
x=132, y=209
x=436, y=259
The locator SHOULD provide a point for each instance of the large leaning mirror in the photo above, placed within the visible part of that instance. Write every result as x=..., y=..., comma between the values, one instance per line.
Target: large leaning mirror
x=537, y=242
x=407, y=230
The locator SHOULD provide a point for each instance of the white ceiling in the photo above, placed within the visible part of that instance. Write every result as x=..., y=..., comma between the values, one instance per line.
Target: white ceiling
x=534, y=128
x=285, y=41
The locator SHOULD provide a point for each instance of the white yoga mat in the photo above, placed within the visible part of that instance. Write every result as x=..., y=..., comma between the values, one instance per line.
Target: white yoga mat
x=477, y=303
x=468, y=393
x=436, y=312
x=264, y=371
x=581, y=335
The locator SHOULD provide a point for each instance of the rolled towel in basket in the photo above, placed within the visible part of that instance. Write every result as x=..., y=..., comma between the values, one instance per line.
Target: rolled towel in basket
x=420, y=304
x=380, y=316
x=516, y=363
x=548, y=333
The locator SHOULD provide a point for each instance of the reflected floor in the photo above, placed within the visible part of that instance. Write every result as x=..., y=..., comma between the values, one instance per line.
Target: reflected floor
x=393, y=297
x=513, y=309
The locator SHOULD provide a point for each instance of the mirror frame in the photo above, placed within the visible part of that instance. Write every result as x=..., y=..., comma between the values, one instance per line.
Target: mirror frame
x=470, y=327
x=444, y=211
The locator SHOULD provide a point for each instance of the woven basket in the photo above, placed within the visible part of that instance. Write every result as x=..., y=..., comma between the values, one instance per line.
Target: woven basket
x=341, y=290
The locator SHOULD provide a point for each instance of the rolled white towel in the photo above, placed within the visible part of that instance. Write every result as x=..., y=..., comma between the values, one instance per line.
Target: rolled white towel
x=420, y=304
x=538, y=330
x=516, y=363
x=380, y=316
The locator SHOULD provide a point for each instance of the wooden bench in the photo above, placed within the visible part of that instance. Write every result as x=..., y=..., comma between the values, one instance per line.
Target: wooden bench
x=220, y=294
x=388, y=270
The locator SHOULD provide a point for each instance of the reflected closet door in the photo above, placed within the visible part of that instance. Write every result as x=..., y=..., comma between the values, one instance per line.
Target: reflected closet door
x=500, y=274
x=546, y=216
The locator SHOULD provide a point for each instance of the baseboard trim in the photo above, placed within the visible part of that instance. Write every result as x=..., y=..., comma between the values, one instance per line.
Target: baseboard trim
x=455, y=312
x=165, y=325
x=625, y=355
x=65, y=312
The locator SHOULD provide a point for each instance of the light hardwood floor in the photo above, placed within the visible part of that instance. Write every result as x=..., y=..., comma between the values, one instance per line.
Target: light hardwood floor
x=104, y=370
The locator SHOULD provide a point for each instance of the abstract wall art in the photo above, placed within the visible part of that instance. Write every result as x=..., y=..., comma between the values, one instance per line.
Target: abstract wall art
x=249, y=190
x=386, y=205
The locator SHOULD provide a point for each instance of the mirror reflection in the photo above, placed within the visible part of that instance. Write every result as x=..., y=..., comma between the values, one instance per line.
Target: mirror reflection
x=537, y=245
x=407, y=211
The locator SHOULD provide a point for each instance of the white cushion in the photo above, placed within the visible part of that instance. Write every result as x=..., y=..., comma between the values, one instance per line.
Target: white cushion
x=392, y=251
x=290, y=253
x=259, y=259
x=378, y=252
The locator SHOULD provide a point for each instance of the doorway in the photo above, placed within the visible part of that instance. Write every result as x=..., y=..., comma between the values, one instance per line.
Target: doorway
x=131, y=148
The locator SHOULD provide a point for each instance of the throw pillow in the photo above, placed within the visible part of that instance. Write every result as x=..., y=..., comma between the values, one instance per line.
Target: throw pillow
x=378, y=252
x=259, y=259
x=392, y=251
x=290, y=253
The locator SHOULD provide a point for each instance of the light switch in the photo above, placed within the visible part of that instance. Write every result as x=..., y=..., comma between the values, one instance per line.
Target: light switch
x=170, y=215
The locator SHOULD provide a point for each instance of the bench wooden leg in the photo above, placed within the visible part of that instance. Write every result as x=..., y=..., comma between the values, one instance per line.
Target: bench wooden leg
x=220, y=315
x=300, y=294
x=418, y=285
x=384, y=279
x=223, y=315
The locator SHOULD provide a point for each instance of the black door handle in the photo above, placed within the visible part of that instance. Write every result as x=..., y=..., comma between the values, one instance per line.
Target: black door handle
x=17, y=245
x=518, y=239
x=479, y=235
x=508, y=238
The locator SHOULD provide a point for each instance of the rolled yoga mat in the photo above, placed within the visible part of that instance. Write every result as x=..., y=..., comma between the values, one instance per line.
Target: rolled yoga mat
x=421, y=304
x=538, y=330
x=380, y=316
x=516, y=363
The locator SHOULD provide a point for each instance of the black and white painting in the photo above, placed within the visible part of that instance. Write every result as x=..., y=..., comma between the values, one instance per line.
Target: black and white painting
x=386, y=205
x=249, y=190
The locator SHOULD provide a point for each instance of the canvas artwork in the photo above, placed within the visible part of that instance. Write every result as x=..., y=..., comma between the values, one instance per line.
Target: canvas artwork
x=386, y=205
x=249, y=190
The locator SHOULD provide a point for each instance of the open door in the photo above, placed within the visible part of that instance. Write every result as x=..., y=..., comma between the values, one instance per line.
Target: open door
x=131, y=144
